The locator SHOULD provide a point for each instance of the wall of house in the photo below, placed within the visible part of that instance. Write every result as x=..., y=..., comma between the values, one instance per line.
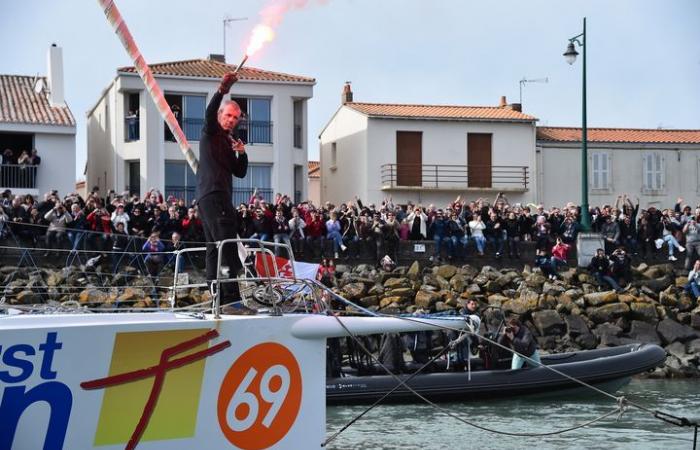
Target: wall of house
x=151, y=150
x=57, y=169
x=561, y=173
x=348, y=177
x=100, y=147
x=314, y=186
x=445, y=142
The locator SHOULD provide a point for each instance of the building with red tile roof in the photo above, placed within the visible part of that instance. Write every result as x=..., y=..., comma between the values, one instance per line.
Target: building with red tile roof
x=655, y=165
x=619, y=135
x=35, y=115
x=140, y=152
x=426, y=153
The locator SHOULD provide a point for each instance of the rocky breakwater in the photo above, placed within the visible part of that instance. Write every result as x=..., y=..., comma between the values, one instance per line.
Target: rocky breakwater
x=571, y=313
x=93, y=288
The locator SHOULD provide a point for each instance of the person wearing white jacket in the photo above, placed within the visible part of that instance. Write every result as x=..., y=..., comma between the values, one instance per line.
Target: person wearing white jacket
x=418, y=222
x=477, y=227
x=120, y=216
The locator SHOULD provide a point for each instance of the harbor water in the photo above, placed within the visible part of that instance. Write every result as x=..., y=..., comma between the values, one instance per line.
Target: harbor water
x=420, y=426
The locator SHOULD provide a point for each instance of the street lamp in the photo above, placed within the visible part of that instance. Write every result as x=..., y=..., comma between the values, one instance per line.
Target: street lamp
x=570, y=55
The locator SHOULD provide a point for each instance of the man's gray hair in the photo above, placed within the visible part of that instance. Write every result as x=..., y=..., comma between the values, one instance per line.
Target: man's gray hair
x=226, y=102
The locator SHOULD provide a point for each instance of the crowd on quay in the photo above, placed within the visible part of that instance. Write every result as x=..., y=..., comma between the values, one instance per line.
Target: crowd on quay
x=154, y=224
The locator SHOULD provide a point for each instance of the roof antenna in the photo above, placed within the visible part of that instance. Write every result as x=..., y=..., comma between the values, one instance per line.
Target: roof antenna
x=530, y=80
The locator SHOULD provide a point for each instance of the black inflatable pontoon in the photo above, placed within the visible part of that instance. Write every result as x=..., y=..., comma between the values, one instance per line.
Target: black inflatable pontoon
x=610, y=367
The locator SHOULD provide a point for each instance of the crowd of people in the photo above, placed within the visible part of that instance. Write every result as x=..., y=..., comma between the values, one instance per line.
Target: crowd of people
x=459, y=230
x=19, y=170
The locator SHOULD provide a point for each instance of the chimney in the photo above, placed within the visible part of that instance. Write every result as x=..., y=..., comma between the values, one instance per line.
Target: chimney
x=347, y=93
x=54, y=60
x=217, y=57
x=516, y=107
x=503, y=103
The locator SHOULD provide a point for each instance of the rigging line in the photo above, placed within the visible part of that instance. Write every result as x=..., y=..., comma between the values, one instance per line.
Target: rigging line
x=678, y=421
x=395, y=388
x=449, y=413
x=66, y=250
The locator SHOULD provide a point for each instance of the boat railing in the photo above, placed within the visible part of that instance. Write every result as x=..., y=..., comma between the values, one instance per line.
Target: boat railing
x=270, y=285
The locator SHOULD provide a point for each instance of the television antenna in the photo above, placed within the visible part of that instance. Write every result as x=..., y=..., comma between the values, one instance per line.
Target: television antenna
x=530, y=80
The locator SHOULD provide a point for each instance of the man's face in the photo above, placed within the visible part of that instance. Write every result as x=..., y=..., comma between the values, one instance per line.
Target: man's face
x=471, y=305
x=229, y=116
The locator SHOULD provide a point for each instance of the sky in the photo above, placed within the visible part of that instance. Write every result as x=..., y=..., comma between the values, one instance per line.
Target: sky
x=643, y=56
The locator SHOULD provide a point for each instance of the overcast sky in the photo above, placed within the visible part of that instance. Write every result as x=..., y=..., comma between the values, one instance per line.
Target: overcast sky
x=643, y=56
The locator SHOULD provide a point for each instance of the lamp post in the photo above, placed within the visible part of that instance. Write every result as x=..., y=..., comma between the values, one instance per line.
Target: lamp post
x=570, y=55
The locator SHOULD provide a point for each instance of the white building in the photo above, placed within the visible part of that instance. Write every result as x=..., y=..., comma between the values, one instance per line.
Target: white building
x=130, y=148
x=656, y=166
x=34, y=115
x=426, y=153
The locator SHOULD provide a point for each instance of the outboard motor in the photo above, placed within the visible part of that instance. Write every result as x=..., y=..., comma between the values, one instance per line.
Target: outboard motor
x=391, y=353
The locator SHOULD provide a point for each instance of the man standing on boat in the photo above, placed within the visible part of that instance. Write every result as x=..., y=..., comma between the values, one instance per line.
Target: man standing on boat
x=220, y=157
x=520, y=339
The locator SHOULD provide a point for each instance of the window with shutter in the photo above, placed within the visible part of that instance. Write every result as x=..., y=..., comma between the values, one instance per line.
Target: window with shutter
x=600, y=173
x=654, y=172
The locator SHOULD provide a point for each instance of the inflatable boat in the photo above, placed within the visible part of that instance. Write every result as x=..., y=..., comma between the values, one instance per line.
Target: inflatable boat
x=608, y=368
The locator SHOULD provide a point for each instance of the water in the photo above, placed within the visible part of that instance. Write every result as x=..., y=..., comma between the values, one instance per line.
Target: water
x=416, y=426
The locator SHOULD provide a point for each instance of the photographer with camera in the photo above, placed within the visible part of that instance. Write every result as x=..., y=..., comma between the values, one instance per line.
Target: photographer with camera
x=58, y=219
x=520, y=340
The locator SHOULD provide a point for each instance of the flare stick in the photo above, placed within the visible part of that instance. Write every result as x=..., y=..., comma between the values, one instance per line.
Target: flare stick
x=243, y=61
x=115, y=19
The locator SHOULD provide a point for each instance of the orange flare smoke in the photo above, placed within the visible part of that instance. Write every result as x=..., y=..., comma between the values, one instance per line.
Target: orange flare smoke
x=261, y=35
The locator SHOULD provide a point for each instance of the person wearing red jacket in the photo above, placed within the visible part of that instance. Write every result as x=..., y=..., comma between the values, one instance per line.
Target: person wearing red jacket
x=315, y=231
x=101, y=223
x=560, y=254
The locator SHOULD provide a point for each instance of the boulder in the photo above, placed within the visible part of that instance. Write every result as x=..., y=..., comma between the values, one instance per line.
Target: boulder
x=413, y=272
x=426, y=299
x=695, y=320
x=443, y=307
x=553, y=289
x=468, y=271
x=608, y=313
x=458, y=283
x=389, y=301
x=672, y=331
x=526, y=303
x=535, y=280
x=600, y=298
x=548, y=322
x=587, y=341
x=643, y=332
x=608, y=334
x=442, y=283
x=676, y=349
x=377, y=289
x=693, y=347
x=472, y=289
x=354, y=291
x=643, y=311
x=497, y=300
x=576, y=326
x=26, y=297
x=446, y=271
x=92, y=296
x=370, y=300
x=401, y=292
x=130, y=295
x=393, y=283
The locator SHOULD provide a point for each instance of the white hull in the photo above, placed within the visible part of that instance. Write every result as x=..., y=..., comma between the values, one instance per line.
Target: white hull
x=253, y=382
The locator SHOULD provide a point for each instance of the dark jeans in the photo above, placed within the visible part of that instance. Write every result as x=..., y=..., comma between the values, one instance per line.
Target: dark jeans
x=220, y=222
x=693, y=289
x=692, y=252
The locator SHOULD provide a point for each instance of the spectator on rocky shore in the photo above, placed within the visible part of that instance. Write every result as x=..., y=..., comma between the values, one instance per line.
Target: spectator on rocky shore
x=693, y=285
x=476, y=228
x=600, y=268
x=691, y=230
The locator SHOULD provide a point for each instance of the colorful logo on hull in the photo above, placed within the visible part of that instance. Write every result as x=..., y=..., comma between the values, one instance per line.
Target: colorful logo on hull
x=154, y=384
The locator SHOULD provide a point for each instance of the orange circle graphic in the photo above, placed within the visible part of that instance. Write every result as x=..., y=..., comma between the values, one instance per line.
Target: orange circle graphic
x=260, y=397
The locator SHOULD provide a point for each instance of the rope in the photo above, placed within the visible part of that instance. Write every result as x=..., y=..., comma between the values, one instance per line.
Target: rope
x=66, y=250
x=621, y=401
x=445, y=411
